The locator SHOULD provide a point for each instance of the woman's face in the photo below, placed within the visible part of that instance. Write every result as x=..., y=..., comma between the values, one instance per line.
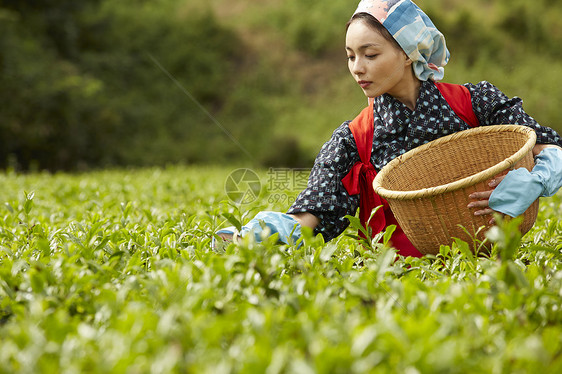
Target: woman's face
x=377, y=65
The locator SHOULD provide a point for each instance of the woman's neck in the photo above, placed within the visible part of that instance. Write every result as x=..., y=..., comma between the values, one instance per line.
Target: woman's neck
x=409, y=93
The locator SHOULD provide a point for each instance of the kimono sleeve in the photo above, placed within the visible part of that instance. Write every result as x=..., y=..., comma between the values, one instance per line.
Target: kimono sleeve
x=325, y=196
x=493, y=107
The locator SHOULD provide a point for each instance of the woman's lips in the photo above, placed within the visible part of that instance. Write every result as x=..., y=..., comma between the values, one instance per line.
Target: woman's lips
x=364, y=84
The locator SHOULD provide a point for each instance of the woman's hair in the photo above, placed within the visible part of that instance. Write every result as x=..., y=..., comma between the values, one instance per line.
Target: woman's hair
x=374, y=24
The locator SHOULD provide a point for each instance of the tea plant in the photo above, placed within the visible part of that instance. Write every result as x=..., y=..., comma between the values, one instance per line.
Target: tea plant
x=114, y=272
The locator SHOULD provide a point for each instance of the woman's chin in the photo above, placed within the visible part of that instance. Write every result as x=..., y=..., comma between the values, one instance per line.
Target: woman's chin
x=371, y=93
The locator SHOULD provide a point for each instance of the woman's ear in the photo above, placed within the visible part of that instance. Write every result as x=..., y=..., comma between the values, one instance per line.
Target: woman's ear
x=408, y=60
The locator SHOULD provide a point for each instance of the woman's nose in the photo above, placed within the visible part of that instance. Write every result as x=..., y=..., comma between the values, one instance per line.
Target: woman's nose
x=358, y=67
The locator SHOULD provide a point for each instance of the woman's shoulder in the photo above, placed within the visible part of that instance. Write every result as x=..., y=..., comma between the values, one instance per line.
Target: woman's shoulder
x=342, y=134
x=340, y=145
x=343, y=131
x=483, y=88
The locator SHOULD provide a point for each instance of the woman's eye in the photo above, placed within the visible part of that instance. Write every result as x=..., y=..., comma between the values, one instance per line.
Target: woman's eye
x=371, y=56
x=350, y=58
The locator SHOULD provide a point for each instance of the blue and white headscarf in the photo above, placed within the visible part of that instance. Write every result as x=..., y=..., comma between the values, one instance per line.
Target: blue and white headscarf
x=414, y=32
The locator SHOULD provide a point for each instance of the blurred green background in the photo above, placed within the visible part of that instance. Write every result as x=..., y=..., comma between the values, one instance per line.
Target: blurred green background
x=84, y=84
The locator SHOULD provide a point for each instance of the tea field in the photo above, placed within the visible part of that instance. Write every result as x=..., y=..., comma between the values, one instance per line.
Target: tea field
x=114, y=272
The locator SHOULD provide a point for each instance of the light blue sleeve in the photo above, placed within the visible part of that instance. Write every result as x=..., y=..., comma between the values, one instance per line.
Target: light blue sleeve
x=268, y=223
x=517, y=191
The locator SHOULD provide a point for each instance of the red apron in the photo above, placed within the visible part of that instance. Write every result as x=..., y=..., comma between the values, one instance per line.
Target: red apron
x=360, y=178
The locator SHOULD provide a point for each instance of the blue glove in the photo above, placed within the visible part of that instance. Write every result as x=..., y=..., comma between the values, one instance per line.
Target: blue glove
x=288, y=228
x=517, y=191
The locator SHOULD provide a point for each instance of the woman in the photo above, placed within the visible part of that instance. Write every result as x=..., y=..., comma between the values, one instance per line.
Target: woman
x=396, y=54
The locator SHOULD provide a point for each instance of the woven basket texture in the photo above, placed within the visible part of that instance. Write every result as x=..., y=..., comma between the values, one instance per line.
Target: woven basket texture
x=427, y=188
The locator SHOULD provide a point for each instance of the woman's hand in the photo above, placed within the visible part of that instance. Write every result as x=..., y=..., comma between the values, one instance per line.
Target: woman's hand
x=229, y=237
x=521, y=187
x=482, y=198
x=306, y=219
x=288, y=227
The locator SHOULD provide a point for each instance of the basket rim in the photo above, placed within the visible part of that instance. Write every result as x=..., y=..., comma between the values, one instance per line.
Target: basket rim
x=461, y=183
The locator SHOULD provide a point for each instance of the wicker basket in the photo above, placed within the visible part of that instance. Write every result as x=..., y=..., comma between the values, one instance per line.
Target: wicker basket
x=427, y=188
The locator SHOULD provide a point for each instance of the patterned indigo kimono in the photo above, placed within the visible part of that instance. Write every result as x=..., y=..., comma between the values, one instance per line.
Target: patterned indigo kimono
x=398, y=130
